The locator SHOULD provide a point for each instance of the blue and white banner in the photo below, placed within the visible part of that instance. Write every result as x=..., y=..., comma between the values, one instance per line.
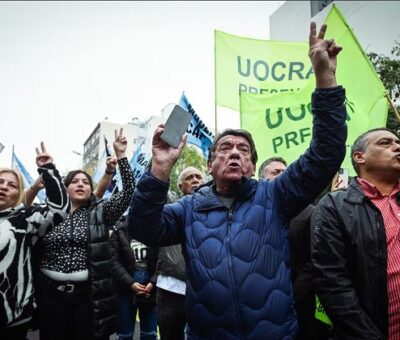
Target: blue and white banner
x=197, y=131
x=106, y=147
x=115, y=185
x=102, y=163
x=26, y=177
x=139, y=162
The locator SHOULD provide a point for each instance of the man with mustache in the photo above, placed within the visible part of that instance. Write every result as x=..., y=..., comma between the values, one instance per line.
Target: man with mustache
x=355, y=243
x=234, y=231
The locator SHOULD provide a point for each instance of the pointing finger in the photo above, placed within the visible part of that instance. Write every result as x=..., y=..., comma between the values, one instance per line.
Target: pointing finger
x=115, y=134
x=37, y=151
x=43, y=147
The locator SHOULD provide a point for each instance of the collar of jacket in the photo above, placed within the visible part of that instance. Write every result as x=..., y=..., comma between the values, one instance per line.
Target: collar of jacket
x=355, y=195
x=9, y=211
x=205, y=198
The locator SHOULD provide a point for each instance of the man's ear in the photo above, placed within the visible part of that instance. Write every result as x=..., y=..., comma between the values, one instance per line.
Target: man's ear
x=358, y=157
x=209, y=164
x=180, y=187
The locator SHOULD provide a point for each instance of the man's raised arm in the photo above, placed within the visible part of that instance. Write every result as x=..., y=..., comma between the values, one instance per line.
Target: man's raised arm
x=149, y=221
x=305, y=178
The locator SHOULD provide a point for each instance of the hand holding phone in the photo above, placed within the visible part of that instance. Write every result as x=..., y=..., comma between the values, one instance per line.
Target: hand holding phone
x=175, y=126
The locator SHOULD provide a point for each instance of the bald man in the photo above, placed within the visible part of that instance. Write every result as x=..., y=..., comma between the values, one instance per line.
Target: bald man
x=189, y=179
x=171, y=269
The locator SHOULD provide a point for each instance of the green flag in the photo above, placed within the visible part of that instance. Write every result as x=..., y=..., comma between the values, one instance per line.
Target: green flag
x=366, y=102
x=258, y=66
x=280, y=124
x=320, y=313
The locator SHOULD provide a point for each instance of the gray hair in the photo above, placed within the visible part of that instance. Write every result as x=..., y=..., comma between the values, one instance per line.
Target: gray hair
x=268, y=161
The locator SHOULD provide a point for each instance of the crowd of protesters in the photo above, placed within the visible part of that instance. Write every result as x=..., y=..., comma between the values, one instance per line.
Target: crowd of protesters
x=233, y=258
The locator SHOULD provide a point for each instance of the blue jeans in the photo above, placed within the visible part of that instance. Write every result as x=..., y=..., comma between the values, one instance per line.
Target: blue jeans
x=128, y=310
x=142, y=276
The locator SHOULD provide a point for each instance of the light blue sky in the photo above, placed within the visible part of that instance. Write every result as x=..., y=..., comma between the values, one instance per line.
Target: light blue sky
x=64, y=66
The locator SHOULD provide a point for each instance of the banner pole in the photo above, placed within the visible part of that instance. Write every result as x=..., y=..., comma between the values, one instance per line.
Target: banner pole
x=12, y=156
x=396, y=113
x=215, y=85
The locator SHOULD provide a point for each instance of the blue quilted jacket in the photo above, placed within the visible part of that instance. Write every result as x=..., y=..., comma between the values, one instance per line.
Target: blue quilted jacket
x=237, y=259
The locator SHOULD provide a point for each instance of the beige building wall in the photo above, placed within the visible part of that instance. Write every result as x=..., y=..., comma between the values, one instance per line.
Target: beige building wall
x=376, y=24
x=136, y=133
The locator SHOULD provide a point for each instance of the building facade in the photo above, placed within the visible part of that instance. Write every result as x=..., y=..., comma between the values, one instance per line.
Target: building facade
x=137, y=133
x=375, y=23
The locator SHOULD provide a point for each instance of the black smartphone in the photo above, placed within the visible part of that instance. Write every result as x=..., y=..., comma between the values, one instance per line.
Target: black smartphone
x=175, y=126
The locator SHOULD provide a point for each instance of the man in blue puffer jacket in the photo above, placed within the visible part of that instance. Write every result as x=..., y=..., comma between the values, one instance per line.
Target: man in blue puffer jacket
x=233, y=230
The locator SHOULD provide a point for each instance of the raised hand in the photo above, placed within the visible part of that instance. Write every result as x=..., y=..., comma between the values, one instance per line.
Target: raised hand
x=323, y=55
x=120, y=144
x=111, y=164
x=42, y=157
x=164, y=155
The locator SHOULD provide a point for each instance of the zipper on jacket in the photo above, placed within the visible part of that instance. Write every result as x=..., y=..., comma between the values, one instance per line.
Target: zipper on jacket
x=232, y=275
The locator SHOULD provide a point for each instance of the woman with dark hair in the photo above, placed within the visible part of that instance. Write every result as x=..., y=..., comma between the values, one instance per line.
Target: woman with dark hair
x=20, y=227
x=77, y=296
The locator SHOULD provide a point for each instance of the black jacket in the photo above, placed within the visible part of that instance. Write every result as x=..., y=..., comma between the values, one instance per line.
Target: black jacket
x=171, y=262
x=102, y=293
x=300, y=251
x=124, y=262
x=170, y=259
x=350, y=261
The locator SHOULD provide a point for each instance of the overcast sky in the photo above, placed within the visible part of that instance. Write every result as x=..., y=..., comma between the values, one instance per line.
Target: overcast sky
x=64, y=66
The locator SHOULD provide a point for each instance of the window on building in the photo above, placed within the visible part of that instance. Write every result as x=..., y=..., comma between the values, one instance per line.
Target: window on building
x=318, y=6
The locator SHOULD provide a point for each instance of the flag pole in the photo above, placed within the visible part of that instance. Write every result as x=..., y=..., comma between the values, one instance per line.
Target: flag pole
x=215, y=85
x=396, y=113
x=12, y=155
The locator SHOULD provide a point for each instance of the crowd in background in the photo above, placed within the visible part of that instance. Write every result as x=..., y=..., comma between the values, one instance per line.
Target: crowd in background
x=234, y=258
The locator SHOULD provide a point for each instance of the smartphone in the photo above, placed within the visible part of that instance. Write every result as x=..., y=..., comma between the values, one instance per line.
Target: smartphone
x=175, y=126
x=344, y=177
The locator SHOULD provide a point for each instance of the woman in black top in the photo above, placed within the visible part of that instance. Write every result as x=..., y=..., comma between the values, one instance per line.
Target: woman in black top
x=77, y=299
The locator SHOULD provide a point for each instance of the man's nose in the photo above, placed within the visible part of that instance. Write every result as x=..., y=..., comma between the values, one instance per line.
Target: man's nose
x=396, y=146
x=235, y=152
